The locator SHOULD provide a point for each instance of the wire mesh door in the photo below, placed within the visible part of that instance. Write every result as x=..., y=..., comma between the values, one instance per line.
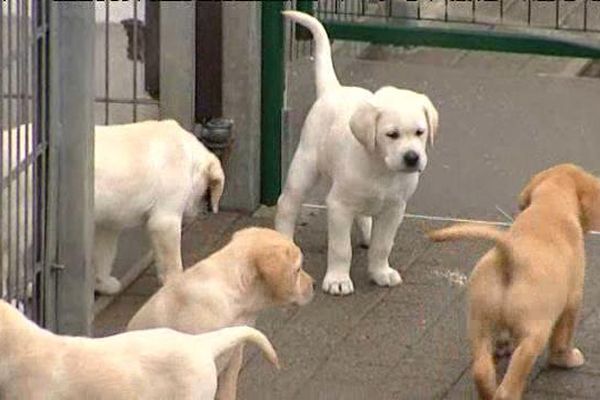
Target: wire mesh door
x=574, y=15
x=24, y=35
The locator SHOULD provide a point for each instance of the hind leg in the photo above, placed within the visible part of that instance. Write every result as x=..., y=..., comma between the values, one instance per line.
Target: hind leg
x=562, y=352
x=385, y=226
x=521, y=363
x=483, y=367
x=302, y=176
x=105, y=249
x=165, y=233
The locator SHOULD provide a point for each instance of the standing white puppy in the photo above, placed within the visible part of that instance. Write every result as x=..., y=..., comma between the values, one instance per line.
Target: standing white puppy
x=369, y=148
x=152, y=173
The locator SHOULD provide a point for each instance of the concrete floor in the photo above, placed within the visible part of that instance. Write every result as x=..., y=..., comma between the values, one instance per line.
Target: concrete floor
x=406, y=342
x=500, y=123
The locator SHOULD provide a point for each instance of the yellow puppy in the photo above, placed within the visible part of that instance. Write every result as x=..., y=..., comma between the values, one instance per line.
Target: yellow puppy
x=531, y=282
x=257, y=269
x=154, y=364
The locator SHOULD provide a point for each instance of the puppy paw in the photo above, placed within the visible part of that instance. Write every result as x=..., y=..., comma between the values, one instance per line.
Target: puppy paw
x=338, y=284
x=386, y=277
x=108, y=285
x=569, y=359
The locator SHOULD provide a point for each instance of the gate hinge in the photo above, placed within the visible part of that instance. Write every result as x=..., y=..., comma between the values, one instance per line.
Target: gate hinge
x=57, y=267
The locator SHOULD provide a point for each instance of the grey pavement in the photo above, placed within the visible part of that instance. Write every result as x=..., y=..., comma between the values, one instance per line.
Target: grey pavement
x=406, y=342
x=500, y=123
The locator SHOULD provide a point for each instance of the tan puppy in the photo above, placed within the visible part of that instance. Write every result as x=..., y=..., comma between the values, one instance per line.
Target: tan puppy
x=531, y=282
x=258, y=268
x=154, y=364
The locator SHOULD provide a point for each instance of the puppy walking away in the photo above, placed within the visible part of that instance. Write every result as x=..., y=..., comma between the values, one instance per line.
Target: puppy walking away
x=531, y=283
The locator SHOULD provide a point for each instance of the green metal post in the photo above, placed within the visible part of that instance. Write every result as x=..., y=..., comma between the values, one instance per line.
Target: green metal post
x=305, y=6
x=272, y=88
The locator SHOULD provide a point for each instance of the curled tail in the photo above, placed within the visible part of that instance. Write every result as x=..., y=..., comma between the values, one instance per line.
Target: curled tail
x=226, y=339
x=477, y=231
x=325, y=74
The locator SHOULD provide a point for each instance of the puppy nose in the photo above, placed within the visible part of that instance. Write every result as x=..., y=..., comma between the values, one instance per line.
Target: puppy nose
x=314, y=285
x=411, y=158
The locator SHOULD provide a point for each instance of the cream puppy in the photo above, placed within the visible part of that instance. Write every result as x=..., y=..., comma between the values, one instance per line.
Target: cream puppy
x=154, y=364
x=150, y=173
x=257, y=269
x=370, y=149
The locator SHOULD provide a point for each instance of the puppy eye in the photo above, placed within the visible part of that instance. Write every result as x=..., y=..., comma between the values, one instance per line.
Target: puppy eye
x=393, y=134
x=419, y=132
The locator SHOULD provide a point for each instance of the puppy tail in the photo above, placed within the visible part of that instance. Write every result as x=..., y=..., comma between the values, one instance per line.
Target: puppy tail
x=226, y=339
x=325, y=73
x=466, y=231
x=216, y=182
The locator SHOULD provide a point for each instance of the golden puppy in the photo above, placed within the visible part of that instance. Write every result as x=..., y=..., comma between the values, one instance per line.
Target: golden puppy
x=531, y=282
x=154, y=364
x=258, y=268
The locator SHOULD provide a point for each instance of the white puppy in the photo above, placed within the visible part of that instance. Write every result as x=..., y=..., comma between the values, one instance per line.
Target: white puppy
x=257, y=269
x=146, y=365
x=370, y=149
x=151, y=173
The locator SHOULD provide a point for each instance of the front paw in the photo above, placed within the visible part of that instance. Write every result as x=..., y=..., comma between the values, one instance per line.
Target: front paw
x=569, y=359
x=338, y=284
x=108, y=285
x=387, y=277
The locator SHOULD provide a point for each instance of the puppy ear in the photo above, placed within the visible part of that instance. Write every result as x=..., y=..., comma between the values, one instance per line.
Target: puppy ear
x=588, y=189
x=216, y=182
x=273, y=264
x=525, y=195
x=432, y=116
x=363, y=124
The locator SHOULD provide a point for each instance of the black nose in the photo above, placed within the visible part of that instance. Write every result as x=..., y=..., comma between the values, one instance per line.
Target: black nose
x=314, y=285
x=411, y=158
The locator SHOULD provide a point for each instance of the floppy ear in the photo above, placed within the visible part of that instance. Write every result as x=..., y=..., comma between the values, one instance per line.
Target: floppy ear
x=432, y=116
x=273, y=264
x=525, y=195
x=363, y=124
x=589, y=199
x=216, y=182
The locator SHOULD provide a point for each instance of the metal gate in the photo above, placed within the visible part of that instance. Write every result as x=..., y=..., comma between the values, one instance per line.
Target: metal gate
x=559, y=28
x=24, y=272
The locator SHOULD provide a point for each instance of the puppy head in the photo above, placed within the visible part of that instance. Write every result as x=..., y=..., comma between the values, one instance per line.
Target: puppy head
x=278, y=263
x=585, y=185
x=396, y=124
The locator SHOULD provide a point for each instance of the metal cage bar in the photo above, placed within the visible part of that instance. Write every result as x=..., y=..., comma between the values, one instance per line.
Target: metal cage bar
x=24, y=33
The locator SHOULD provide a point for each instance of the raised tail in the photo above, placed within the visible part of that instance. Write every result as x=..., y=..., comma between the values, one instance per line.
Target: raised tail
x=325, y=74
x=473, y=231
x=226, y=339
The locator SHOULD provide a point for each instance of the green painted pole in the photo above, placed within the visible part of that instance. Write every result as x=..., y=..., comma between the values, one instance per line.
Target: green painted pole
x=306, y=6
x=473, y=39
x=272, y=88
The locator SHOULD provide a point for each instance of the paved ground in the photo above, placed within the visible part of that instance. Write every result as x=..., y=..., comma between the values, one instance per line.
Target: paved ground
x=502, y=118
x=402, y=343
